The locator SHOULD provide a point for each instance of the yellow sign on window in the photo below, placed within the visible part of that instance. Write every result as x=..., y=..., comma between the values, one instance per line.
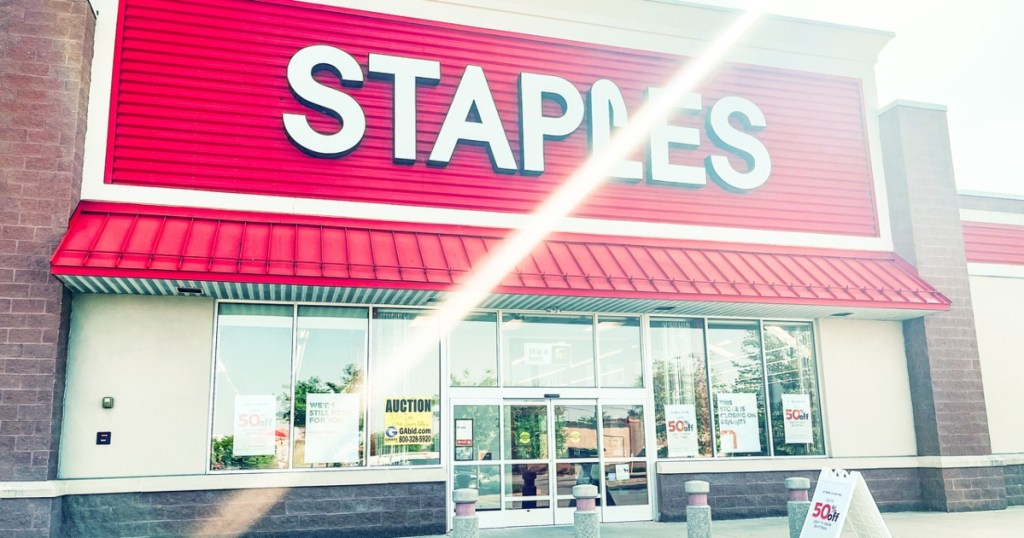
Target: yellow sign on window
x=408, y=421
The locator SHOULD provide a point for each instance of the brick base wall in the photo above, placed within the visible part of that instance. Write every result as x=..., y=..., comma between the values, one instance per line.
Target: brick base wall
x=961, y=490
x=1014, y=478
x=371, y=511
x=29, y=518
x=764, y=494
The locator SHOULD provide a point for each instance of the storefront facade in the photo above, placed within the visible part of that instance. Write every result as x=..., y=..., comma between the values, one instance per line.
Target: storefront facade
x=313, y=266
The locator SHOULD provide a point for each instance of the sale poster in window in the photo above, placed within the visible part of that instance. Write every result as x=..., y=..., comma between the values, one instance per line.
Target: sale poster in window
x=254, y=425
x=738, y=427
x=681, y=430
x=796, y=409
x=332, y=428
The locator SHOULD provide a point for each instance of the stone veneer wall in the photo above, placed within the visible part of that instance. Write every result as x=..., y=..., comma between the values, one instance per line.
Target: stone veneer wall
x=764, y=494
x=370, y=511
x=1014, y=475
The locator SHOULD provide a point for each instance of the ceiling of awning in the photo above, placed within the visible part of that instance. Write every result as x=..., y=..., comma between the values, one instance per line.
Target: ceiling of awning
x=117, y=248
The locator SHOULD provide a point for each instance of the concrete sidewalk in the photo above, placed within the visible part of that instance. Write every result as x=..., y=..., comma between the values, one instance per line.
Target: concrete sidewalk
x=1007, y=523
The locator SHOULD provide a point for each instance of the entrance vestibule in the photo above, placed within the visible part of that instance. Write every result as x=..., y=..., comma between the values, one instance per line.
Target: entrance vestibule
x=525, y=455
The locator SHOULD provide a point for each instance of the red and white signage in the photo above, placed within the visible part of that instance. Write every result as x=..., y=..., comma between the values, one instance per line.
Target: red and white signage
x=681, y=430
x=254, y=433
x=738, y=425
x=288, y=98
x=841, y=496
x=796, y=420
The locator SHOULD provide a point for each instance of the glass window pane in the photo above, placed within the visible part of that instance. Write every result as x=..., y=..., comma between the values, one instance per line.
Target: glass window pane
x=252, y=387
x=623, y=431
x=548, y=351
x=737, y=382
x=485, y=428
x=793, y=389
x=527, y=427
x=571, y=475
x=576, y=431
x=474, y=351
x=330, y=365
x=618, y=342
x=527, y=480
x=405, y=372
x=680, y=387
x=627, y=483
x=486, y=479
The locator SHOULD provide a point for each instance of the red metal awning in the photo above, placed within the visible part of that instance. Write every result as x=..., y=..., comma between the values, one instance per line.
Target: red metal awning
x=116, y=241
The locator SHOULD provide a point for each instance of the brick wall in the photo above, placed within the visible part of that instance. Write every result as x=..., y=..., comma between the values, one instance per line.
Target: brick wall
x=371, y=511
x=28, y=518
x=45, y=57
x=943, y=364
x=1014, y=479
x=764, y=494
x=960, y=490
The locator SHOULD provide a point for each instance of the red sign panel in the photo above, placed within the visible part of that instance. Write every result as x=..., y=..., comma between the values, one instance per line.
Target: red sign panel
x=994, y=243
x=202, y=95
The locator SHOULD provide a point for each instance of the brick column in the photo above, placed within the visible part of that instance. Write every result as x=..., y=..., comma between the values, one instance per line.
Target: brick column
x=45, y=61
x=942, y=349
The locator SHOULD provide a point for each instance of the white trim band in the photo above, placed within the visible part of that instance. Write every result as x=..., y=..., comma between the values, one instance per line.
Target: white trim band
x=995, y=269
x=59, y=488
x=814, y=464
x=91, y=486
x=991, y=217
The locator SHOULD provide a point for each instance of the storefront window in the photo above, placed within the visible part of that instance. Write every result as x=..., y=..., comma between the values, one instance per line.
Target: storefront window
x=405, y=377
x=253, y=378
x=548, y=350
x=737, y=387
x=793, y=388
x=330, y=367
x=312, y=386
x=619, y=356
x=474, y=351
x=681, y=407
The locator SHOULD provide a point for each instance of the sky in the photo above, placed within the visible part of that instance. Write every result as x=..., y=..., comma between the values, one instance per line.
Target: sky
x=967, y=55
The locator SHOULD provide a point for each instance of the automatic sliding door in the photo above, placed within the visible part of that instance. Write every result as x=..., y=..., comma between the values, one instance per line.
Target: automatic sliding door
x=527, y=471
x=525, y=456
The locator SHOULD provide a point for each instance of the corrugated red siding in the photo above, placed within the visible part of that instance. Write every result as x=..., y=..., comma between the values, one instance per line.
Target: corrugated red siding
x=111, y=240
x=200, y=88
x=994, y=243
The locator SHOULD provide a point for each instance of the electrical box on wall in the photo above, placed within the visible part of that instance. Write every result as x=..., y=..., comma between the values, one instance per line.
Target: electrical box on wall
x=102, y=438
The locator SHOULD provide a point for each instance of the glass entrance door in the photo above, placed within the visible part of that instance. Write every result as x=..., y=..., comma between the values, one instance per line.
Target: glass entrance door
x=525, y=456
x=551, y=446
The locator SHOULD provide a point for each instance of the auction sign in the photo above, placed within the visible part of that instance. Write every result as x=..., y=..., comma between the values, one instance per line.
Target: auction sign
x=408, y=421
